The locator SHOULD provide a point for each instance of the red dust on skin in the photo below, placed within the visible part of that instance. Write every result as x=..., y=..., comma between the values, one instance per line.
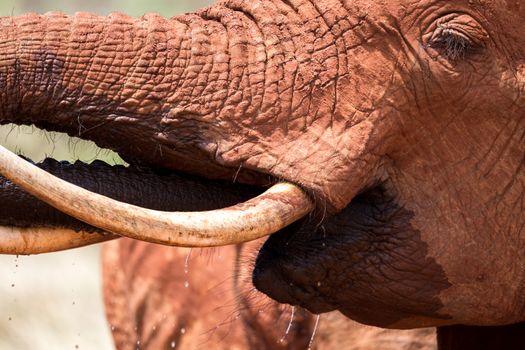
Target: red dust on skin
x=420, y=99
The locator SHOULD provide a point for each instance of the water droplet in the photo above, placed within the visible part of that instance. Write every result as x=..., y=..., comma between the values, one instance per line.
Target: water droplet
x=112, y=328
x=318, y=283
x=289, y=326
x=183, y=330
x=187, y=262
x=186, y=284
x=313, y=333
x=173, y=344
x=138, y=342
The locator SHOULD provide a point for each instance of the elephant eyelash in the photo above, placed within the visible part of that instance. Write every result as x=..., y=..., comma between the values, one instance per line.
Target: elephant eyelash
x=454, y=45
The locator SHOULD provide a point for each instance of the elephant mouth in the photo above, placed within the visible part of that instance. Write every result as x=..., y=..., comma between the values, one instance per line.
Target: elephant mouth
x=54, y=206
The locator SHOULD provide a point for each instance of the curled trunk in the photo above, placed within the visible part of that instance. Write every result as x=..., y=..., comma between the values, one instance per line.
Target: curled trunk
x=32, y=226
x=277, y=207
x=133, y=185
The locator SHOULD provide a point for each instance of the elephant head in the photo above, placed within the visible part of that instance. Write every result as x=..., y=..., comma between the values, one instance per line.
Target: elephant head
x=399, y=126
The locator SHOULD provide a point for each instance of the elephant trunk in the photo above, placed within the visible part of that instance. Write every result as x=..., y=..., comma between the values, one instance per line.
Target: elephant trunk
x=139, y=86
x=156, y=90
x=238, y=90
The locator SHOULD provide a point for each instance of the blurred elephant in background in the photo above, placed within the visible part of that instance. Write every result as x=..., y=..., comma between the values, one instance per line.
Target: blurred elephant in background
x=158, y=297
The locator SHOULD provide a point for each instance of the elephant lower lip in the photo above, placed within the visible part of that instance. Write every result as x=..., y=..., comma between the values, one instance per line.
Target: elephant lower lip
x=302, y=264
x=269, y=281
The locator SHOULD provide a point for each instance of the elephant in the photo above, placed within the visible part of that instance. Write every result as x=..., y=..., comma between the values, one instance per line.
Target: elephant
x=382, y=145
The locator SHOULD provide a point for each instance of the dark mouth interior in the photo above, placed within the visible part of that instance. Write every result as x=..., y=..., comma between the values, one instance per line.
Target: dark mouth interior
x=140, y=185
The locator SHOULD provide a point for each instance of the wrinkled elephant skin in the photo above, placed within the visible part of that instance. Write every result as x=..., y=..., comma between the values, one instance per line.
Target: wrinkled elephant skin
x=404, y=120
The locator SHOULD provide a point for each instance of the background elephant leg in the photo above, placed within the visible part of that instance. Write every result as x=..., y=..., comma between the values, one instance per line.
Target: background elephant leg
x=151, y=300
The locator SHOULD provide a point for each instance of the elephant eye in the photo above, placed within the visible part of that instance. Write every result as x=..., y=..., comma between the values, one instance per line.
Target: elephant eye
x=455, y=45
x=457, y=37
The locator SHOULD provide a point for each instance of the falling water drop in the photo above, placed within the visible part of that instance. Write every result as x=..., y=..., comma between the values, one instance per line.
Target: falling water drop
x=172, y=344
x=182, y=330
x=186, y=268
x=187, y=262
x=289, y=326
x=313, y=333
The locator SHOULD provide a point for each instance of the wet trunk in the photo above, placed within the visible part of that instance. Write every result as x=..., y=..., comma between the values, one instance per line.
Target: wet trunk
x=154, y=190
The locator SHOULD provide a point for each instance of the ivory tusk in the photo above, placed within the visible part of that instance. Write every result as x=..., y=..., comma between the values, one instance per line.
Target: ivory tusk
x=279, y=206
x=38, y=240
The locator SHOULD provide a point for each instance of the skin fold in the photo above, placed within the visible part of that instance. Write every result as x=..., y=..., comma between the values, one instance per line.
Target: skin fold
x=402, y=119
